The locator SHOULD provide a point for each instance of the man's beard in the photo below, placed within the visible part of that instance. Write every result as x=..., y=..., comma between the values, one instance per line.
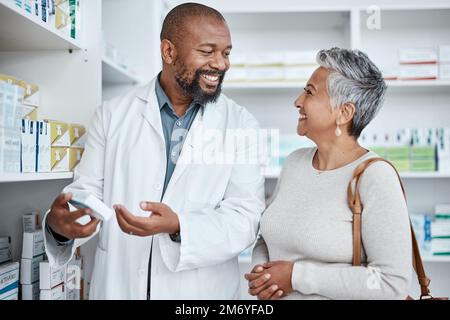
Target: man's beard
x=193, y=89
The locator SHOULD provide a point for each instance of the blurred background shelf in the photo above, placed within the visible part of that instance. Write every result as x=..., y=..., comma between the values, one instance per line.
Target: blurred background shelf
x=436, y=258
x=21, y=31
x=298, y=85
x=20, y=177
x=113, y=73
x=274, y=173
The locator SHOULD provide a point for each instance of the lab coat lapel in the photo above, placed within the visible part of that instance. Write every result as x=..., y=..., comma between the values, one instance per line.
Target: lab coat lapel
x=150, y=108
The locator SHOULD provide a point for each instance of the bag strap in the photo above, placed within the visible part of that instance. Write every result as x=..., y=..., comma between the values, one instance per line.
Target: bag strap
x=354, y=202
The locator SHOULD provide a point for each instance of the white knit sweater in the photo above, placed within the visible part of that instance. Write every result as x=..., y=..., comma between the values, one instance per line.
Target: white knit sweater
x=309, y=222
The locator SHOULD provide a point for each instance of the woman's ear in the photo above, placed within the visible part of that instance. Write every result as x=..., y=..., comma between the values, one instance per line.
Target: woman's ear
x=346, y=113
x=168, y=51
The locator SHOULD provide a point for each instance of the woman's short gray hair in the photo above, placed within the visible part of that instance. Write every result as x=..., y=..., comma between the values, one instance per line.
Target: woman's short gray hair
x=354, y=78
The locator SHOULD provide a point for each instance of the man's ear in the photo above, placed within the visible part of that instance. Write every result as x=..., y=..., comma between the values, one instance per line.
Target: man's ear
x=168, y=51
x=346, y=113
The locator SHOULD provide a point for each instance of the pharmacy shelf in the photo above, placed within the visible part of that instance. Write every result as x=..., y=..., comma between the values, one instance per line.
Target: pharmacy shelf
x=22, y=31
x=417, y=83
x=20, y=177
x=274, y=173
x=236, y=86
x=112, y=73
x=263, y=85
x=436, y=258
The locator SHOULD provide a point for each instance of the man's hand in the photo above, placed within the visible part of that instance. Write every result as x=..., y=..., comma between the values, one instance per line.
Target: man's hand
x=63, y=222
x=278, y=282
x=162, y=220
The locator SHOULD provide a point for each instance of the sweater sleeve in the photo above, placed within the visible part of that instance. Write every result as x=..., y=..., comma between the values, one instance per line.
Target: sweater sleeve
x=386, y=240
x=260, y=253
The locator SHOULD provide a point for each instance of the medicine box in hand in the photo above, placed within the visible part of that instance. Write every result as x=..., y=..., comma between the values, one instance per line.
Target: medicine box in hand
x=83, y=199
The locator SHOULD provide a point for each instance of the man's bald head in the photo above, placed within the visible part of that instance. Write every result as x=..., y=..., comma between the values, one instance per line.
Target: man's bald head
x=173, y=27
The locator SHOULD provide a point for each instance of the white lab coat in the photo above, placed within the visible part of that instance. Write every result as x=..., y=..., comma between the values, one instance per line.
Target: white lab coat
x=219, y=206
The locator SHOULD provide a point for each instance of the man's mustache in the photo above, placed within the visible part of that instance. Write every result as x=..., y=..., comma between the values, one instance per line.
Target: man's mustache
x=211, y=73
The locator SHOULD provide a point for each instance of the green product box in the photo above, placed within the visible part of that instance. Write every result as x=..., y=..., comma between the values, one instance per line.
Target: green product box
x=401, y=165
x=423, y=165
x=381, y=151
x=425, y=153
x=397, y=153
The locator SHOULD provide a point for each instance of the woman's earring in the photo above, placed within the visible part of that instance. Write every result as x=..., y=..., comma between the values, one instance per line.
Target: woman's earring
x=338, y=131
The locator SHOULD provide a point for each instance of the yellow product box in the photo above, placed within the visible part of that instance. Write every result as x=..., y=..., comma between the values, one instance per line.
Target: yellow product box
x=32, y=95
x=29, y=112
x=59, y=133
x=8, y=79
x=77, y=134
x=63, y=21
x=65, y=159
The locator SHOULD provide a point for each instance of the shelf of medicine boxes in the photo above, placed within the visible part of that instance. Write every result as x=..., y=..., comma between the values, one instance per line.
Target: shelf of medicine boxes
x=112, y=73
x=274, y=173
x=21, y=31
x=20, y=177
x=238, y=86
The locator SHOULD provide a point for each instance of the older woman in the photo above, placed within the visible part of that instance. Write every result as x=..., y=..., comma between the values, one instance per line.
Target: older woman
x=305, y=249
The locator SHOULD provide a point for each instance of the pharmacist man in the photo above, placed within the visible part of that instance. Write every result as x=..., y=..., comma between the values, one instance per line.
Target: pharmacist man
x=203, y=214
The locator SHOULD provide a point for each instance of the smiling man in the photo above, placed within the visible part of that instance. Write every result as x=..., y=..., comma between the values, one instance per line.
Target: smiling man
x=179, y=225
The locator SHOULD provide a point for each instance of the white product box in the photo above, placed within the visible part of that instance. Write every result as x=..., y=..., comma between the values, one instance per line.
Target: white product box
x=30, y=291
x=443, y=150
x=28, y=146
x=5, y=249
x=444, y=71
x=299, y=73
x=28, y=5
x=10, y=295
x=265, y=59
x=236, y=74
x=75, y=16
x=440, y=228
x=444, y=53
x=45, y=10
x=50, y=277
x=29, y=269
x=390, y=73
x=418, y=72
x=11, y=110
x=9, y=279
x=9, y=150
x=265, y=74
x=440, y=246
x=44, y=147
x=306, y=57
x=239, y=59
x=33, y=244
x=30, y=221
x=82, y=199
x=56, y=293
x=73, y=294
x=442, y=209
x=74, y=268
x=418, y=55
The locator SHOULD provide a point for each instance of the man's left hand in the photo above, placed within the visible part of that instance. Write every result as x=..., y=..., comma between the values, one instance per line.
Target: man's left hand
x=162, y=220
